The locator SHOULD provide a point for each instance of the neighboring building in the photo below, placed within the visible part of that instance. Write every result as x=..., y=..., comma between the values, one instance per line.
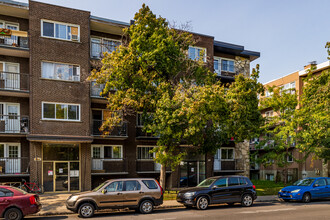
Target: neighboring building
x=50, y=113
x=309, y=168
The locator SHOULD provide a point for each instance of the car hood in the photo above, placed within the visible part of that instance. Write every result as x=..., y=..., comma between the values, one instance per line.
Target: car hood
x=86, y=193
x=193, y=189
x=291, y=188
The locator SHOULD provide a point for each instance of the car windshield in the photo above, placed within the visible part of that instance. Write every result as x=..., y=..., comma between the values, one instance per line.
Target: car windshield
x=206, y=183
x=100, y=186
x=304, y=182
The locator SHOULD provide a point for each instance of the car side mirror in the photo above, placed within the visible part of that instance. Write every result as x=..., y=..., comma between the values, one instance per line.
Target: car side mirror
x=214, y=187
x=316, y=185
x=104, y=191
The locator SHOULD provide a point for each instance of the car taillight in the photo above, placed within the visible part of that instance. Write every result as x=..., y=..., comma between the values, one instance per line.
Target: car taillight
x=33, y=200
x=161, y=189
x=254, y=187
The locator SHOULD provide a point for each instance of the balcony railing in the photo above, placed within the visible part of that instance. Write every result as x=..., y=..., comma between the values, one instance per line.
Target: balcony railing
x=14, y=124
x=117, y=131
x=109, y=166
x=14, y=165
x=140, y=133
x=14, y=41
x=228, y=165
x=96, y=89
x=97, y=49
x=147, y=166
x=14, y=81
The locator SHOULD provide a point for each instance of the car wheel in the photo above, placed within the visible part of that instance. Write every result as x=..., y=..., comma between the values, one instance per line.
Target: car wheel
x=247, y=200
x=86, y=210
x=146, y=207
x=13, y=214
x=202, y=203
x=306, y=198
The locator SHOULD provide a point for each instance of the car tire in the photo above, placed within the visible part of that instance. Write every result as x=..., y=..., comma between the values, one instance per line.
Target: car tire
x=247, y=200
x=306, y=198
x=146, y=207
x=13, y=214
x=86, y=210
x=202, y=203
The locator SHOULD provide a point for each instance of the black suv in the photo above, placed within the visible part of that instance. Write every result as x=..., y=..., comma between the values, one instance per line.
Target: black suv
x=222, y=189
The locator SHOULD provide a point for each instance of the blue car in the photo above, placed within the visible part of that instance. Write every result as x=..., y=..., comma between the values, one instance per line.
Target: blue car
x=306, y=189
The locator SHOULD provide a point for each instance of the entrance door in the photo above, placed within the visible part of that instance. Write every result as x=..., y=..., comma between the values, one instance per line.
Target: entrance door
x=189, y=173
x=13, y=162
x=12, y=118
x=61, y=176
x=12, y=77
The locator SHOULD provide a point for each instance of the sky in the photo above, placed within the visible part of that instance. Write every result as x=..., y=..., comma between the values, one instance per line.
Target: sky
x=288, y=33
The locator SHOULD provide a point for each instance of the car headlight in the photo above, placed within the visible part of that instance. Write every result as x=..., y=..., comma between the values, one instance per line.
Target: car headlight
x=295, y=191
x=189, y=194
x=280, y=191
x=73, y=198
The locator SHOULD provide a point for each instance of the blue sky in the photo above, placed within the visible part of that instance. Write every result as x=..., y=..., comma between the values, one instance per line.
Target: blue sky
x=288, y=33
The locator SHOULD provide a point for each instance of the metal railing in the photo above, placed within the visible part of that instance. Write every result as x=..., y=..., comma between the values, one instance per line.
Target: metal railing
x=104, y=165
x=117, y=131
x=142, y=134
x=14, y=124
x=97, y=49
x=96, y=89
x=14, y=165
x=14, y=81
x=14, y=41
x=147, y=166
x=226, y=165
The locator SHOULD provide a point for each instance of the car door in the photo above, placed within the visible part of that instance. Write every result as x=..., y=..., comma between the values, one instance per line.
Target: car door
x=327, y=188
x=113, y=196
x=220, y=192
x=319, y=188
x=132, y=193
x=5, y=198
x=235, y=189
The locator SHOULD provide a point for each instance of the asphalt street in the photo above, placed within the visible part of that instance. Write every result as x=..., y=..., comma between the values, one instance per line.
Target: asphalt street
x=260, y=210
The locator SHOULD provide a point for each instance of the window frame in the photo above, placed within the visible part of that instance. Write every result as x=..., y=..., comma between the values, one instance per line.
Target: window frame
x=101, y=43
x=288, y=157
x=144, y=146
x=60, y=23
x=227, y=148
x=55, y=119
x=218, y=72
x=227, y=59
x=196, y=47
x=54, y=63
x=102, y=152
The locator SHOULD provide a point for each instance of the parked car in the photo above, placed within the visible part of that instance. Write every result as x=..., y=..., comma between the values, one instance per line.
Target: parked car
x=141, y=194
x=16, y=203
x=306, y=189
x=216, y=190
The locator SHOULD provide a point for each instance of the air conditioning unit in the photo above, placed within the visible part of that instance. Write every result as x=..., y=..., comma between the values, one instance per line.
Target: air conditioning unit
x=74, y=37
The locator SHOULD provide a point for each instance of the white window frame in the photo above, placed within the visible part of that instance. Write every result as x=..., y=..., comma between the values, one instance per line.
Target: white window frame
x=101, y=43
x=69, y=64
x=5, y=23
x=203, y=48
x=60, y=23
x=227, y=59
x=144, y=146
x=54, y=119
x=6, y=149
x=268, y=94
x=218, y=71
x=227, y=148
x=102, y=152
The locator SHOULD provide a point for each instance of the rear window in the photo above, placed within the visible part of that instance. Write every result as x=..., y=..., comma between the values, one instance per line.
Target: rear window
x=150, y=184
x=6, y=193
x=243, y=181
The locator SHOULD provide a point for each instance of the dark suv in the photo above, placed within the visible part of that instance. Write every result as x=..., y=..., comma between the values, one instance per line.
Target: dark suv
x=222, y=189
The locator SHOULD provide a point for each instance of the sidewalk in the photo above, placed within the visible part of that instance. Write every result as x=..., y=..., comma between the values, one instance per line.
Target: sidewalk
x=54, y=204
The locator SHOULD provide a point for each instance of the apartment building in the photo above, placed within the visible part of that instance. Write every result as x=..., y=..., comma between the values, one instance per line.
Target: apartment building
x=309, y=168
x=50, y=114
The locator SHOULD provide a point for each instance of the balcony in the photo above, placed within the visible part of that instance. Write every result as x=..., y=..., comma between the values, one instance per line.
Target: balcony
x=102, y=166
x=148, y=166
x=11, y=166
x=12, y=83
x=140, y=134
x=100, y=47
x=16, y=44
x=96, y=90
x=14, y=124
x=117, y=131
x=235, y=165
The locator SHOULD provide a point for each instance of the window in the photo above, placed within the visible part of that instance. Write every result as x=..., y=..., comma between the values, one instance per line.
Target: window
x=59, y=111
x=270, y=177
x=289, y=86
x=60, y=30
x=60, y=71
x=290, y=157
x=107, y=152
x=115, y=186
x=132, y=185
x=268, y=94
x=217, y=65
x=140, y=118
x=234, y=181
x=195, y=53
x=6, y=193
x=269, y=114
x=242, y=181
x=320, y=182
x=11, y=150
x=227, y=154
x=144, y=153
x=216, y=155
x=101, y=45
x=150, y=184
x=2, y=150
x=227, y=65
x=221, y=182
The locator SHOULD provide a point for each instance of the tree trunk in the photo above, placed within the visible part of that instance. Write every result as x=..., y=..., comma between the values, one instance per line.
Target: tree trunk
x=162, y=178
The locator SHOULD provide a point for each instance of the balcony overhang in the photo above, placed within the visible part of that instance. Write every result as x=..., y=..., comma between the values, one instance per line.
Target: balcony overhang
x=14, y=93
x=59, y=138
x=14, y=51
x=14, y=9
x=110, y=137
x=107, y=25
x=234, y=49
